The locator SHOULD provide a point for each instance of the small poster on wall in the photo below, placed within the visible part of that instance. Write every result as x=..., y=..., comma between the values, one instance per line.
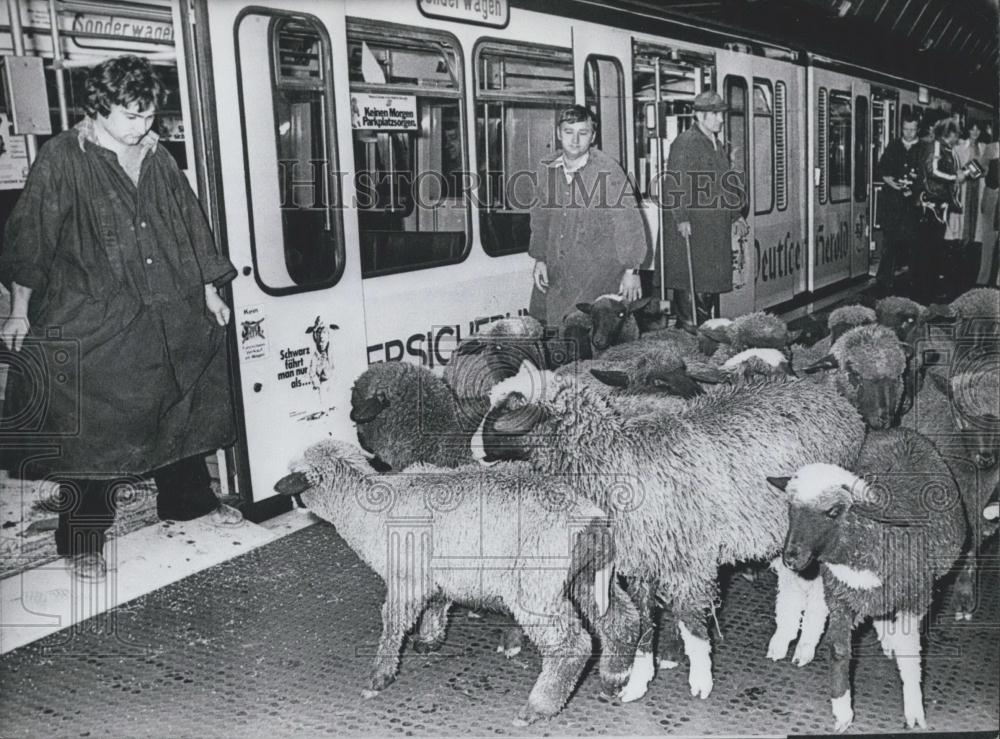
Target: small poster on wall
x=384, y=112
x=13, y=157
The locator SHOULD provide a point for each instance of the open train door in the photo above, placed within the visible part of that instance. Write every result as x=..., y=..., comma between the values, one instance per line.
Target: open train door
x=269, y=88
x=841, y=176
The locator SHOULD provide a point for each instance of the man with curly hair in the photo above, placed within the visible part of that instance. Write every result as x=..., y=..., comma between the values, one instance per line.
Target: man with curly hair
x=113, y=274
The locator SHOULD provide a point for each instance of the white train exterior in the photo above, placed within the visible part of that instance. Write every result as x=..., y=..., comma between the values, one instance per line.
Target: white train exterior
x=359, y=160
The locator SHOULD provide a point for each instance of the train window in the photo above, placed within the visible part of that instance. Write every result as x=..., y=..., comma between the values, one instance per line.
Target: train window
x=409, y=146
x=763, y=146
x=839, y=146
x=604, y=94
x=780, y=145
x=286, y=109
x=520, y=89
x=862, y=153
x=736, y=122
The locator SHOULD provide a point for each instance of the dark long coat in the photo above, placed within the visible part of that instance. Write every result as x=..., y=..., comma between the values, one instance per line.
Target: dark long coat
x=587, y=231
x=124, y=369
x=700, y=187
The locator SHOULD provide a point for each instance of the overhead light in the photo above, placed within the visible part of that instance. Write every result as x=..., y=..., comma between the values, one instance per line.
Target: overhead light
x=843, y=8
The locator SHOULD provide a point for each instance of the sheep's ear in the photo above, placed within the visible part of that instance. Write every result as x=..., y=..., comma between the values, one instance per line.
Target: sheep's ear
x=940, y=313
x=292, y=484
x=838, y=330
x=706, y=375
x=334, y=326
x=369, y=409
x=310, y=329
x=584, y=307
x=614, y=378
x=472, y=346
x=675, y=382
x=716, y=333
x=638, y=304
x=779, y=482
x=828, y=362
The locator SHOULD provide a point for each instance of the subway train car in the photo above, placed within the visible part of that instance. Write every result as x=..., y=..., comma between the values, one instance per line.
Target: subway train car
x=363, y=165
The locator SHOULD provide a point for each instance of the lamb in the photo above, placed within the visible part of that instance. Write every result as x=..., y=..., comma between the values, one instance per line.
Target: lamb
x=671, y=480
x=546, y=552
x=871, y=371
x=883, y=534
x=406, y=414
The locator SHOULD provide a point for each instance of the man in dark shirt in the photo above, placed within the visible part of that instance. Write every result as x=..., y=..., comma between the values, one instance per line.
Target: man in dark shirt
x=899, y=168
x=113, y=274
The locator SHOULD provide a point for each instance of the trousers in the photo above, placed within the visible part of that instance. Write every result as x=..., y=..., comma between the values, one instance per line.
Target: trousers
x=87, y=507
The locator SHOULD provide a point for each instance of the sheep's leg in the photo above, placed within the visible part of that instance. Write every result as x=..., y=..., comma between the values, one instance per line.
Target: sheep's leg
x=965, y=595
x=813, y=620
x=511, y=641
x=642, y=670
x=789, y=605
x=906, y=642
x=618, y=631
x=565, y=647
x=670, y=646
x=839, y=640
x=433, y=624
x=698, y=649
x=397, y=619
x=883, y=629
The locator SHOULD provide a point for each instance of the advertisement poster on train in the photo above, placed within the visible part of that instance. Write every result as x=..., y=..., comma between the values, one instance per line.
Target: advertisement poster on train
x=384, y=112
x=253, y=336
x=13, y=157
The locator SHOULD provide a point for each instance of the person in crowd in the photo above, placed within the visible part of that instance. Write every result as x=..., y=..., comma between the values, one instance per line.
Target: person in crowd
x=988, y=223
x=706, y=198
x=114, y=276
x=899, y=167
x=969, y=149
x=937, y=229
x=587, y=234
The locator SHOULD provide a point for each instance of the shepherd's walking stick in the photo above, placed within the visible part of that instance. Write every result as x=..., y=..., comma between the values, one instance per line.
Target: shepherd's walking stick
x=694, y=304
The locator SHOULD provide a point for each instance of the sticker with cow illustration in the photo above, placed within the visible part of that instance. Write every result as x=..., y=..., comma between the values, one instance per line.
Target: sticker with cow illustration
x=253, y=337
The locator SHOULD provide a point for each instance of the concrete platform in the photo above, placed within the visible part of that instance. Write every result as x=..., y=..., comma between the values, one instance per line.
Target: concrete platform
x=278, y=642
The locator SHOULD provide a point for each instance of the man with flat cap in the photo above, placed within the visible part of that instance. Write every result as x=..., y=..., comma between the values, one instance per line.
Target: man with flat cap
x=705, y=197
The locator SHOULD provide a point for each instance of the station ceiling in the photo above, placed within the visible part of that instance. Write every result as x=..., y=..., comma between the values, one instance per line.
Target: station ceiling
x=951, y=44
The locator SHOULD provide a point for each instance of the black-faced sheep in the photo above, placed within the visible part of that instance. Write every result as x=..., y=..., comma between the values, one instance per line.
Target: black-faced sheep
x=491, y=539
x=902, y=315
x=871, y=372
x=612, y=321
x=680, y=486
x=883, y=534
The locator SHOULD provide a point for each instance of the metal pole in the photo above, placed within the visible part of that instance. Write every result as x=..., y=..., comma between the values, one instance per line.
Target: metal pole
x=57, y=60
x=694, y=304
x=17, y=36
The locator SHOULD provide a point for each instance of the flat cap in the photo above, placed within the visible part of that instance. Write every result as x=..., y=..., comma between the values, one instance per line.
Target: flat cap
x=710, y=101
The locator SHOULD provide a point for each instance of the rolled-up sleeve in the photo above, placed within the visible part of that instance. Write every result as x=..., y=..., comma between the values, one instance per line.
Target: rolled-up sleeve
x=31, y=234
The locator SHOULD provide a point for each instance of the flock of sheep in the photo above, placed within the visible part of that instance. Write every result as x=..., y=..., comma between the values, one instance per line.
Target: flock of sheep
x=543, y=471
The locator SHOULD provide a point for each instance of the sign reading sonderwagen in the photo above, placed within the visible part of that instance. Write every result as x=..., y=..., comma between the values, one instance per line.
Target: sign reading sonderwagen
x=484, y=12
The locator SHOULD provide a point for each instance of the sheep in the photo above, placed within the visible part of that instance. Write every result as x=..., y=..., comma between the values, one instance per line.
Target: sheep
x=612, y=321
x=681, y=486
x=976, y=314
x=883, y=533
x=494, y=353
x=871, y=371
x=406, y=414
x=902, y=315
x=723, y=339
x=544, y=551
x=843, y=319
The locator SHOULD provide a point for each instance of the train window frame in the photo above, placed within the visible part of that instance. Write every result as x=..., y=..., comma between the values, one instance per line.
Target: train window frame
x=333, y=195
x=781, y=144
x=393, y=35
x=845, y=177
x=483, y=97
x=728, y=83
x=621, y=154
x=766, y=84
x=862, y=148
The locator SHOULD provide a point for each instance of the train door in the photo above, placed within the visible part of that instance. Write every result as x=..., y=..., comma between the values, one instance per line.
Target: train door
x=764, y=127
x=297, y=300
x=838, y=248
x=861, y=213
x=885, y=104
x=665, y=81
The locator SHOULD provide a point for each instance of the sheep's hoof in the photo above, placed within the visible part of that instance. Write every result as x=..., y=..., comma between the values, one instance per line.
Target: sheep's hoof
x=916, y=719
x=422, y=646
x=668, y=664
x=777, y=648
x=508, y=652
x=804, y=654
x=701, y=686
x=381, y=682
x=473, y=614
x=368, y=694
x=842, y=725
x=527, y=717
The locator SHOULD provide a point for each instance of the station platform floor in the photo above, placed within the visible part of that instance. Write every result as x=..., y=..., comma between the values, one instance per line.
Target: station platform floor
x=279, y=640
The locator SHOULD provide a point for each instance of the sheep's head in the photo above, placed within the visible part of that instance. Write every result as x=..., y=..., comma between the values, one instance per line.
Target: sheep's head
x=713, y=332
x=752, y=331
x=516, y=408
x=319, y=334
x=843, y=319
x=753, y=363
x=819, y=496
x=323, y=463
x=609, y=316
x=505, y=343
x=902, y=315
x=871, y=367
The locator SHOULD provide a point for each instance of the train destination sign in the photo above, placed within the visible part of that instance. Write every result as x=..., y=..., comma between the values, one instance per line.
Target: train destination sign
x=484, y=12
x=384, y=112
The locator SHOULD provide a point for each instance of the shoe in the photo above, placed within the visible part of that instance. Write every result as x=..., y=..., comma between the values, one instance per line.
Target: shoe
x=225, y=516
x=87, y=566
